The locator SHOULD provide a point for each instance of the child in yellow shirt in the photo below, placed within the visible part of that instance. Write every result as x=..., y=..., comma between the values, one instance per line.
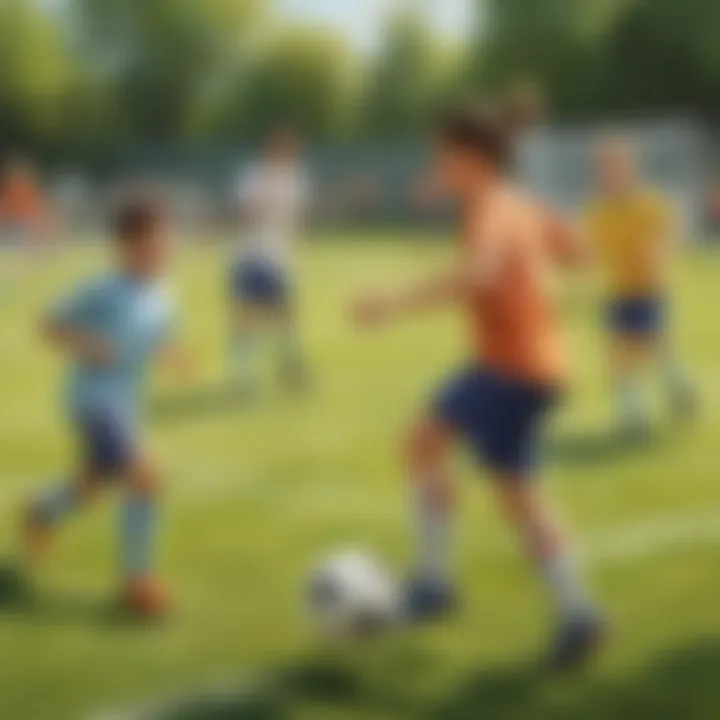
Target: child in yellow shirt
x=632, y=228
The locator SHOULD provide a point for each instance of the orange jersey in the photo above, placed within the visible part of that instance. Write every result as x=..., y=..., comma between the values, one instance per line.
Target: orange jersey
x=20, y=200
x=512, y=315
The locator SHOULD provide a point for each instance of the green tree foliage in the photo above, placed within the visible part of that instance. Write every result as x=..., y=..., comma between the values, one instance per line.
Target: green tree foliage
x=92, y=77
x=164, y=58
x=664, y=55
x=304, y=77
x=37, y=73
x=409, y=80
x=606, y=56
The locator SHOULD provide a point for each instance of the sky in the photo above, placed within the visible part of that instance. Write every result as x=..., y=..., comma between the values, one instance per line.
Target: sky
x=361, y=20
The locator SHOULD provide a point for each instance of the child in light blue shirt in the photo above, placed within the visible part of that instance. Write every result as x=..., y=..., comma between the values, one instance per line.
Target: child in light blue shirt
x=111, y=330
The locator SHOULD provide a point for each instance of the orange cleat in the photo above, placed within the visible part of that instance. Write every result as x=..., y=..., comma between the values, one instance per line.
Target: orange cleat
x=146, y=598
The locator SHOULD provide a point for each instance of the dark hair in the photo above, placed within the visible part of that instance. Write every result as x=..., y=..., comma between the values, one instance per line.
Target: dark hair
x=488, y=130
x=136, y=217
x=478, y=130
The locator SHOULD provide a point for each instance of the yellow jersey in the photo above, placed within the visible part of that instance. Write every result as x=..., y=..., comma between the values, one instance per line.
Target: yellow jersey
x=631, y=236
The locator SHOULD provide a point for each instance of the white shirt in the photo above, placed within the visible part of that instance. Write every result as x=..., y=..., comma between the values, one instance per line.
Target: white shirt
x=274, y=198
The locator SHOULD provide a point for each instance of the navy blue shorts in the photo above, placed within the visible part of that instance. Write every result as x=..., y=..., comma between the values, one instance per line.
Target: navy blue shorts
x=498, y=416
x=262, y=284
x=108, y=441
x=638, y=316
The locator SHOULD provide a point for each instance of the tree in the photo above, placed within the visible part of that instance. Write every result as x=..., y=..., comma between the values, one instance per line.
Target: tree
x=410, y=79
x=303, y=77
x=605, y=57
x=37, y=72
x=165, y=58
x=663, y=55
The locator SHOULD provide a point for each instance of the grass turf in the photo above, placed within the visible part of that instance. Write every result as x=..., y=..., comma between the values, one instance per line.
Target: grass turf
x=258, y=490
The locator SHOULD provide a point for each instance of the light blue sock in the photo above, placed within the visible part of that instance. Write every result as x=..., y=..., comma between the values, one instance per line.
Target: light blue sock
x=137, y=536
x=55, y=503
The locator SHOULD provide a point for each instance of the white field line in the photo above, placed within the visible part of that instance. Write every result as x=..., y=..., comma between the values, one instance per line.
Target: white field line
x=325, y=497
x=625, y=542
x=653, y=536
x=333, y=497
x=173, y=704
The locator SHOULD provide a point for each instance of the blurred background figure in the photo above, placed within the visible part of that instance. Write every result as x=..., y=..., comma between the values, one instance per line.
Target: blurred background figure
x=634, y=230
x=72, y=197
x=273, y=195
x=22, y=203
x=25, y=219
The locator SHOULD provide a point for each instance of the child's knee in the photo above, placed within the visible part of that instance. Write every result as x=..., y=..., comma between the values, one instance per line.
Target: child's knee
x=146, y=480
x=425, y=447
x=87, y=486
x=528, y=511
x=426, y=450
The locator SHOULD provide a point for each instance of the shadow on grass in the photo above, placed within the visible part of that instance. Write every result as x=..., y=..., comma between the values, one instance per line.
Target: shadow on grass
x=19, y=602
x=679, y=684
x=582, y=448
x=313, y=685
x=219, y=398
x=212, y=398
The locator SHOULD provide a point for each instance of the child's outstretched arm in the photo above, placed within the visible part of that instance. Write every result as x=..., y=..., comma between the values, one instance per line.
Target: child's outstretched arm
x=475, y=268
x=568, y=244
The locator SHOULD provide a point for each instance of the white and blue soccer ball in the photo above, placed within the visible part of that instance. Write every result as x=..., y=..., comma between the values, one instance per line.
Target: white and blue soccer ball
x=352, y=595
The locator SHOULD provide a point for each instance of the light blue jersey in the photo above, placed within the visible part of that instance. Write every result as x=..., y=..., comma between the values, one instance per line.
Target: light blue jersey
x=135, y=318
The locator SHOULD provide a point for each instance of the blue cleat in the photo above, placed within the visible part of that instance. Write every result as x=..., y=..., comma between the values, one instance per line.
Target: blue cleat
x=576, y=642
x=427, y=599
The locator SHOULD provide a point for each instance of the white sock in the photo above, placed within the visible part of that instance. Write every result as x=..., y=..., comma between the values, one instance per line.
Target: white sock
x=631, y=402
x=291, y=358
x=565, y=584
x=243, y=354
x=674, y=374
x=433, y=535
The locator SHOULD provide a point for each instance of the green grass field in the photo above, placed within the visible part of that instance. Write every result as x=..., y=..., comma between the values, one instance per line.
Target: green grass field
x=256, y=492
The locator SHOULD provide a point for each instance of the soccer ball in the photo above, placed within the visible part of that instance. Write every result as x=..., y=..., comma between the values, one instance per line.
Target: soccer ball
x=351, y=595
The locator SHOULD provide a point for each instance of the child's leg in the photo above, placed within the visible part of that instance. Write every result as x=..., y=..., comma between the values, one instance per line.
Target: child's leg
x=292, y=362
x=57, y=501
x=138, y=521
x=52, y=505
x=138, y=534
x=628, y=362
x=432, y=499
x=245, y=334
x=544, y=543
x=675, y=378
